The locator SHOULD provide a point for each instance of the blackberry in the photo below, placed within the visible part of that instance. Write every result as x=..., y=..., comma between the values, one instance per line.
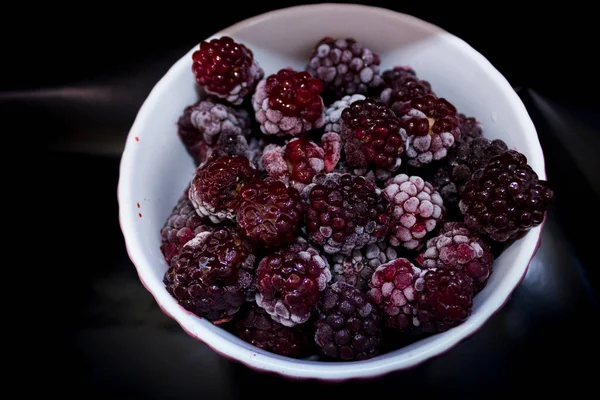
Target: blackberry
x=192, y=138
x=357, y=268
x=294, y=163
x=213, y=276
x=372, y=135
x=183, y=225
x=444, y=301
x=414, y=210
x=345, y=66
x=469, y=127
x=226, y=69
x=432, y=127
x=233, y=144
x=466, y=157
x=348, y=326
x=212, y=118
x=334, y=112
x=290, y=282
x=343, y=212
x=215, y=187
x=269, y=213
x=505, y=198
x=394, y=286
x=402, y=85
x=255, y=326
x=457, y=247
x=288, y=103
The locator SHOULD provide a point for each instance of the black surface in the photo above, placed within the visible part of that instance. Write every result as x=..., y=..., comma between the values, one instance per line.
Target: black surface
x=114, y=341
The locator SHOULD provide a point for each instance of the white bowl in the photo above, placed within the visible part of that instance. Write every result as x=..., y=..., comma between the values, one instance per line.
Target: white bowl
x=155, y=167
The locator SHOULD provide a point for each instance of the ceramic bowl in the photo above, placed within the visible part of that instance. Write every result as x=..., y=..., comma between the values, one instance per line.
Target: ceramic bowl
x=155, y=167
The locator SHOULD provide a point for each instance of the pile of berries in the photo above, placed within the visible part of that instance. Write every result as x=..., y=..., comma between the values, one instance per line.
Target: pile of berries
x=339, y=206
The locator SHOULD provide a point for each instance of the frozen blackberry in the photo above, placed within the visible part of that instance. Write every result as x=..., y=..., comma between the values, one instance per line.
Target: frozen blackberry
x=457, y=247
x=505, y=198
x=192, y=138
x=215, y=187
x=226, y=69
x=444, y=300
x=403, y=85
x=415, y=208
x=233, y=144
x=348, y=325
x=288, y=103
x=343, y=212
x=255, y=326
x=372, y=135
x=269, y=213
x=345, y=66
x=394, y=287
x=468, y=155
x=212, y=118
x=469, y=127
x=213, y=276
x=432, y=127
x=183, y=225
x=294, y=163
x=334, y=112
x=357, y=268
x=290, y=282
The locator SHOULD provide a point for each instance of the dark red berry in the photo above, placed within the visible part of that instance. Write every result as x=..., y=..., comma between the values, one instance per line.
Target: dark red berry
x=343, y=212
x=183, y=225
x=403, y=85
x=371, y=135
x=269, y=213
x=505, y=198
x=468, y=155
x=255, y=326
x=289, y=103
x=445, y=300
x=226, y=69
x=394, y=287
x=215, y=187
x=213, y=275
x=457, y=247
x=469, y=127
x=432, y=127
x=348, y=325
x=290, y=282
x=345, y=66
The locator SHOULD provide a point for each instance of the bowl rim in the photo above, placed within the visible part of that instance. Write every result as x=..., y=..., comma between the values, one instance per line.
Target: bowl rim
x=300, y=369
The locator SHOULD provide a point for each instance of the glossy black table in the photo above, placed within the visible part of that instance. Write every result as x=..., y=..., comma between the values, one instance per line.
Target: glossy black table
x=115, y=342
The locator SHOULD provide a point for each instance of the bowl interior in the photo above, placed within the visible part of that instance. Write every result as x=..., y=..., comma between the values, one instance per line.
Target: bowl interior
x=156, y=168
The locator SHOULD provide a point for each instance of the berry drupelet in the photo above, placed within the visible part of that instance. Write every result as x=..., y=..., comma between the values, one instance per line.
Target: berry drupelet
x=345, y=66
x=255, y=326
x=213, y=275
x=343, y=212
x=183, y=225
x=269, y=213
x=226, y=69
x=432, y=127
x=290, y=281
x=393, y=288
x=348, y=326
x=414, y=210
x=215, y=187
x=357, y=268
x=505, y=198
x=288, y=103
x=468, y=155
x=372, y=135
x=457, y=247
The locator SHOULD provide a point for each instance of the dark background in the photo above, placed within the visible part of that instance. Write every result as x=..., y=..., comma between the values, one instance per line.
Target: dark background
x=72, y=88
